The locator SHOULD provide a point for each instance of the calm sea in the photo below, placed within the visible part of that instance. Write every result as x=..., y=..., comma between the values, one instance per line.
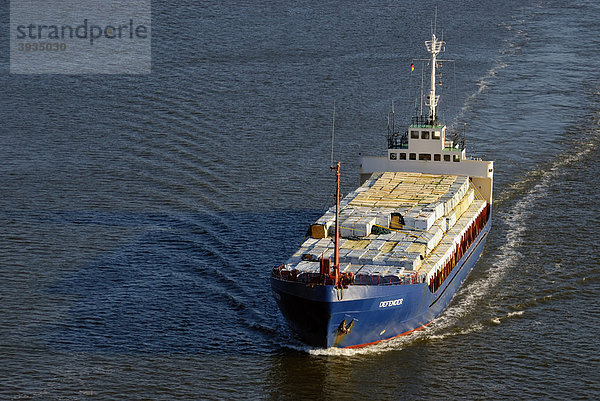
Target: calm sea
x=140, y=216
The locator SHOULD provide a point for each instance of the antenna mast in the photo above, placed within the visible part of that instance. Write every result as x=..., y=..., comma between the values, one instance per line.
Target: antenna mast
x=336, y=255
x=422, y=78
x=336, y=168
x=434, y=46
x=393, y=119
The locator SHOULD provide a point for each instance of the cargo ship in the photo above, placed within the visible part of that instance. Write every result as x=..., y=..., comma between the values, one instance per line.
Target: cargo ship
x=388, y=258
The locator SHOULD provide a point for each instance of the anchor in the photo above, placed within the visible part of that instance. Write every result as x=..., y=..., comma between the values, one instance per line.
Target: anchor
x=345, y=329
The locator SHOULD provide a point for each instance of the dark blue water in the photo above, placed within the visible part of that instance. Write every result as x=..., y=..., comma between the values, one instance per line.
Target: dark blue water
x=141, y=215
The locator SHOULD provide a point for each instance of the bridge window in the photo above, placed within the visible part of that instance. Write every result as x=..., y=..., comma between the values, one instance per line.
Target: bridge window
x=435, y=134
x=402, y=156
x=393, y=156
x=437, y=158
x=456, y=158
x=446, y=158
x=414, y=134
x=412, y=156
x=424, y=156
x=424, y=134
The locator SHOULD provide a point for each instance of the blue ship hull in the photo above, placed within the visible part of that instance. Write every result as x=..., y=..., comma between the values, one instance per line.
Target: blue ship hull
x=359, y=315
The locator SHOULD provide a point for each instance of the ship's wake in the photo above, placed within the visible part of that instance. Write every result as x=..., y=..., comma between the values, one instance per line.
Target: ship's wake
x=513, y=45
x=514, y=223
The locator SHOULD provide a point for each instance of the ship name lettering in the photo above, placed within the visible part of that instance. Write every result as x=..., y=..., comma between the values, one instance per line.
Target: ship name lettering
x=395, y=302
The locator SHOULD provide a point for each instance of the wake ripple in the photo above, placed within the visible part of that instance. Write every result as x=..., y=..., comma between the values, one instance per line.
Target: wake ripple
x=507, y=257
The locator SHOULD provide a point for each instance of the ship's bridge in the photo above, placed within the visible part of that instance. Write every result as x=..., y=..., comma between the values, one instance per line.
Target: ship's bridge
x=425, y=142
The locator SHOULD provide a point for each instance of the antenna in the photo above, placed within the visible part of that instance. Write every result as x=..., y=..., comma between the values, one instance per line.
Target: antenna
x=422, y=78
x=332, y=131
x=393, y=119
x=416, y=108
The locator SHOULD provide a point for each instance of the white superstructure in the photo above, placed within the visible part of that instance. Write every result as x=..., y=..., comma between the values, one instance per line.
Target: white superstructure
x=424, y=147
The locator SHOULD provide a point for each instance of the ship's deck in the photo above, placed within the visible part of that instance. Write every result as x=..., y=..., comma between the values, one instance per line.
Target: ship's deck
x=397, y=227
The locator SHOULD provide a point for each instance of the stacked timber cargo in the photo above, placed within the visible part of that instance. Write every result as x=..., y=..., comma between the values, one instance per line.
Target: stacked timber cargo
x=397, y=227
